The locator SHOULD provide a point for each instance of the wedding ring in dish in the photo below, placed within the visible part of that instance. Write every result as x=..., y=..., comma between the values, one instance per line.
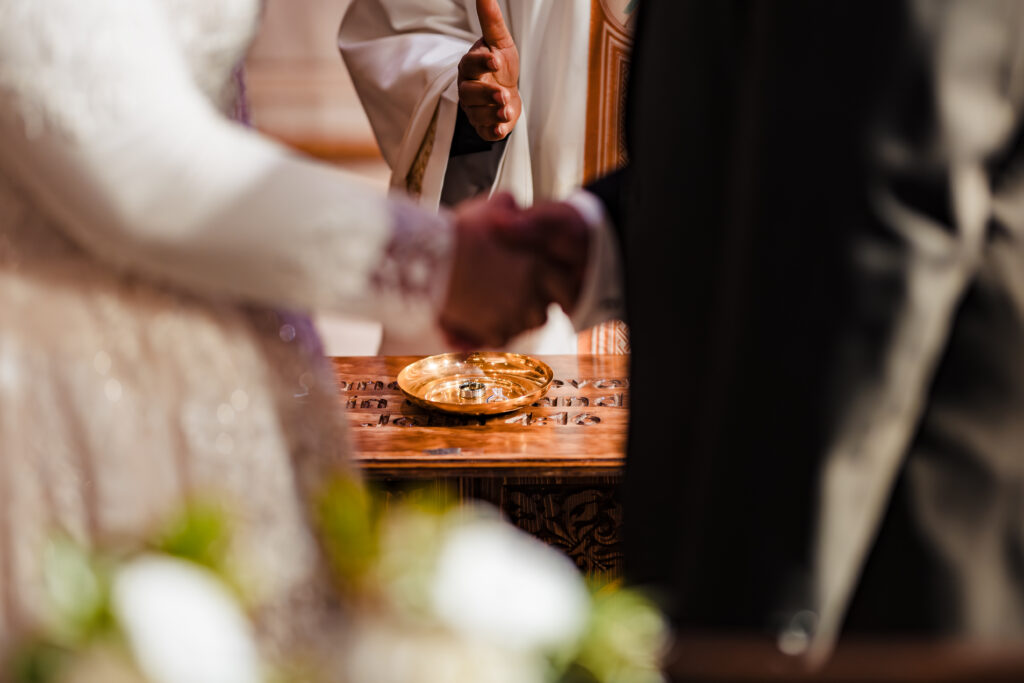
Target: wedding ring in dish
x=472, y=389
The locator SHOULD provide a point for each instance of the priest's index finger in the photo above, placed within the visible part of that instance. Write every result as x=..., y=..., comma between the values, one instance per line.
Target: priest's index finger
x=492, y=24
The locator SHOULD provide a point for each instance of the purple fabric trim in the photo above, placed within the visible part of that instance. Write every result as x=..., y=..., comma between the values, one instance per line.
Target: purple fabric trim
x=241, y=112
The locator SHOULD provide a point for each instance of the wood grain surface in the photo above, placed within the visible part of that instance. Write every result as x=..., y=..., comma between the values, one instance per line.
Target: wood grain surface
x=754, y=658
x=577, y=430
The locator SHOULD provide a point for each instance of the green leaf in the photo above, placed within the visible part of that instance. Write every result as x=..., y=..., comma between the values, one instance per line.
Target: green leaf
x=348, y=518
x=625, y=641
x=39, y=662
x=201, y=534
x=79, y=591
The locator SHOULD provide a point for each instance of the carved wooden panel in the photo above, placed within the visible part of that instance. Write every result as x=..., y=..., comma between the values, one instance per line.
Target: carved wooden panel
x=611, y=42
x=583, y=520
x=580, y=517
x=578, y=429
x=553, y=468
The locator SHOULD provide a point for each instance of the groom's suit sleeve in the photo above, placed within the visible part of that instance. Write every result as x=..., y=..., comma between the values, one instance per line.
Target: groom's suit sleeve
x=610, y=190
x=602, y=295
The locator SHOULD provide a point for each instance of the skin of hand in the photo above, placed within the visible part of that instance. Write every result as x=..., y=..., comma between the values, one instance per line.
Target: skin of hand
x=489, y=77
x=494, y=292
x=558, y=235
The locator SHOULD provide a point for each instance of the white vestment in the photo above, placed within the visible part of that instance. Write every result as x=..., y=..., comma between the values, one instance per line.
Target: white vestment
x=403, y=57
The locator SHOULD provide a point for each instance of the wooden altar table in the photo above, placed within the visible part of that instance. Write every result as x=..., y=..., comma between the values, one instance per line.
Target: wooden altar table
x=553, y=468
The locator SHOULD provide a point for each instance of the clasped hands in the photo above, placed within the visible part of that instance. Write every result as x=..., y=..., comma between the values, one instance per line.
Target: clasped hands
x=509, y=265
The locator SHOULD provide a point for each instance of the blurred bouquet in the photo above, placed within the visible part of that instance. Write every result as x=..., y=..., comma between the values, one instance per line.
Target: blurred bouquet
x=434, y=594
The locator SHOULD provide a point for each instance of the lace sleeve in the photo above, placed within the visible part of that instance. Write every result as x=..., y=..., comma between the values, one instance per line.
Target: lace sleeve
x=103, y=123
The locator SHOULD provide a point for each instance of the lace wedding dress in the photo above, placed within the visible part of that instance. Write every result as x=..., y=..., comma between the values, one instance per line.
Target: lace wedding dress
x=145, y=245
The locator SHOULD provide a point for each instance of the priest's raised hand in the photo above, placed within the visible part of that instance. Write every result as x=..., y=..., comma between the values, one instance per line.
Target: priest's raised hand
x=489, y=77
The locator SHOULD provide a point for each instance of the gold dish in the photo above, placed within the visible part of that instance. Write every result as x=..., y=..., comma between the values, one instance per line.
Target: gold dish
x=477, y=383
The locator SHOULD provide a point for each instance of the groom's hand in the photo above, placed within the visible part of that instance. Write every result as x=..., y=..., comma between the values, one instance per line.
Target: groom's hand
x=559, y=237
x=494, y=292
x=489, y=77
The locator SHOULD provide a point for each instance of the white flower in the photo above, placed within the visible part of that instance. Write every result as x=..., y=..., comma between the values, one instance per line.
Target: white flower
x=496, y=583
x=393, y=651
x=182, y=624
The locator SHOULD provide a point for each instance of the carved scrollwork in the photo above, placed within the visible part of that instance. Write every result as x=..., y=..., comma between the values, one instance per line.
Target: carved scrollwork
x=582, y=521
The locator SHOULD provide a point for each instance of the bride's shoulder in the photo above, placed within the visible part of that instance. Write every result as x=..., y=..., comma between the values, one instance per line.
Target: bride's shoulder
x=84, y=55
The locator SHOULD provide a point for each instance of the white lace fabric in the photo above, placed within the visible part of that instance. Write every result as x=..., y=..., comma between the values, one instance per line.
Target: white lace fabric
x=144, y=240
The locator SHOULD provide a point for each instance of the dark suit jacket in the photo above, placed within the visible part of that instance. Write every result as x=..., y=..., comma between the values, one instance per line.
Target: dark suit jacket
x=821, y=225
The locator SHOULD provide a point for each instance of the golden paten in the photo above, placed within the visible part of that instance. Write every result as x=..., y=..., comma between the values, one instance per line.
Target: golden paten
x=477, y=383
